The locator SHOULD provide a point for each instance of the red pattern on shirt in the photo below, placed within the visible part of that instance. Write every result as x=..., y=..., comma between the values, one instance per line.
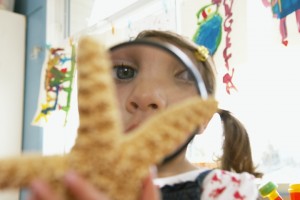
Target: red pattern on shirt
x=217, y=192
x=238, y=196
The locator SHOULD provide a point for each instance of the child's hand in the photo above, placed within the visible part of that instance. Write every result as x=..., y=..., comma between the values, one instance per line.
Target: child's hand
x=83, y=190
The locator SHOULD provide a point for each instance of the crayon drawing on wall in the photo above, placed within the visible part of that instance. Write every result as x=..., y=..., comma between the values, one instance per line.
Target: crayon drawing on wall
x=281, y=9
x=209, y=33
x=56, y=84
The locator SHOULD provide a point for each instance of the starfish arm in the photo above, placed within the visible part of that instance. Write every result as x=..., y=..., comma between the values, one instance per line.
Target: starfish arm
x=18, y=172
x=98, y=110
x=161, y=134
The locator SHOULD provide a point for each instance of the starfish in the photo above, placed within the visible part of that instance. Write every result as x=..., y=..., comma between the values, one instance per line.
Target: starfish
x=114, y=162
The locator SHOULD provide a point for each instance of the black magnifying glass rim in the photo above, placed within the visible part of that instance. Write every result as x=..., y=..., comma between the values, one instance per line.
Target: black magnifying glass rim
x=178, y=54
x=186, y=61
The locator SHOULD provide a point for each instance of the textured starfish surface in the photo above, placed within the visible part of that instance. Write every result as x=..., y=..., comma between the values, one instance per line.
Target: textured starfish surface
x=114, y=162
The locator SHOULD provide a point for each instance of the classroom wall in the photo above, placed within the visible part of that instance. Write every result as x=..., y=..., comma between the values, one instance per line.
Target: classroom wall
x=267, y=81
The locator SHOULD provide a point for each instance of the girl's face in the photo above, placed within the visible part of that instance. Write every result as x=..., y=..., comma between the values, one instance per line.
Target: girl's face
x=148, y=79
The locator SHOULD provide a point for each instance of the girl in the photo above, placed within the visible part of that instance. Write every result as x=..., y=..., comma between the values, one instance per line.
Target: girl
x=179, y=173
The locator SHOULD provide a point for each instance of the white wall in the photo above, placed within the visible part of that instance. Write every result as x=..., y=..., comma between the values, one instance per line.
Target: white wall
x=267, y=78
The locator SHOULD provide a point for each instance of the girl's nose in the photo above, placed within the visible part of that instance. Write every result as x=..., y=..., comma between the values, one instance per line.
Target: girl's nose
x=147, y=98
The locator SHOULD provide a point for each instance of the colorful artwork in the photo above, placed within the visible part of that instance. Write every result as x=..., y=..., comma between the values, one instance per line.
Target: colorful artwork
x=57, y=84
x=209, y=34
x=281, y=9
x=227, y=26
x=209, y=30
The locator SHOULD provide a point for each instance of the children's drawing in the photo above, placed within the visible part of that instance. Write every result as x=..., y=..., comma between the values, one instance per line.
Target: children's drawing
x=209, y=33
x=227, y=26
x=209, y=29
x=281, y=9
x=56, y=91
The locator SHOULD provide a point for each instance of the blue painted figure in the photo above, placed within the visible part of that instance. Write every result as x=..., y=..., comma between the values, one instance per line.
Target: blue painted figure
x=281, y=9
x=209, y=31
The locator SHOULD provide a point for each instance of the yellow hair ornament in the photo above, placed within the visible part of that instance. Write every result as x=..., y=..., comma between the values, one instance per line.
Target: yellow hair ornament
x=202, y=53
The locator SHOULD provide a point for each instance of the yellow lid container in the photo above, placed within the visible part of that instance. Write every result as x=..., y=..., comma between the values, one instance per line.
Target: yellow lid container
x=294, y=190
x=295, y=187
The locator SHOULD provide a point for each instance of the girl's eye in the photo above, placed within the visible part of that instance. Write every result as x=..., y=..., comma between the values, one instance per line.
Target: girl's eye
x=185, y=76
x=123, y=72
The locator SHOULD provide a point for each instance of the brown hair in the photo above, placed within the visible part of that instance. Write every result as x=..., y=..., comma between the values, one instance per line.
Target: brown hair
x=237, y=155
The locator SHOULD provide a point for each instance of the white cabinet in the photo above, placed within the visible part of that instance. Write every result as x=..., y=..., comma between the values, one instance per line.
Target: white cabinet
x=12, y=69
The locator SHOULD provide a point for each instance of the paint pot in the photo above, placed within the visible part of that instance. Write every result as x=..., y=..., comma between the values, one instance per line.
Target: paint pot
x=269, y=190
x=294, y=190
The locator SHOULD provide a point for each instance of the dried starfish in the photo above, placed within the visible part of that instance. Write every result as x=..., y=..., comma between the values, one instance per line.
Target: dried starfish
x=114, y=162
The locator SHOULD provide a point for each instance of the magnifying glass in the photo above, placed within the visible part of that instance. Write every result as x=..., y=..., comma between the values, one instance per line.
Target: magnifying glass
x=161, y=48
x=131, y=59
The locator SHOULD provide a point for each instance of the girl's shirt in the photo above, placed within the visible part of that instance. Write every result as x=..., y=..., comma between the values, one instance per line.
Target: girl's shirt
x=211, y=185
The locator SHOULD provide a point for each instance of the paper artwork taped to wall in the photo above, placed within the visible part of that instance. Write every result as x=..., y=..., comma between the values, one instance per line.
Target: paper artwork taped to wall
x=280, y=10
x=56, y=84
x=209, y=33
x=209, y=27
